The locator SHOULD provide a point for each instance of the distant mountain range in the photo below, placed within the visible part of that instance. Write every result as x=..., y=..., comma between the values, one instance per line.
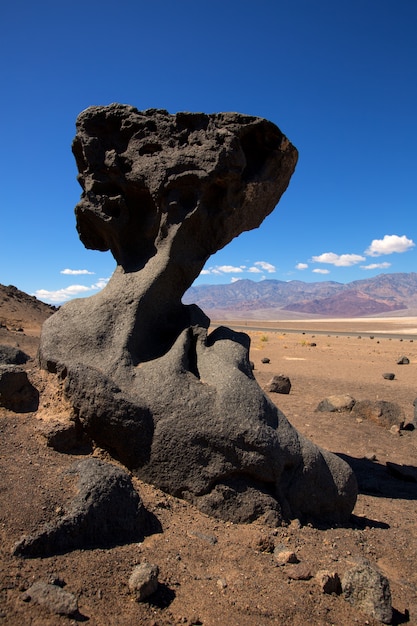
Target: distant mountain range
x=383, y=295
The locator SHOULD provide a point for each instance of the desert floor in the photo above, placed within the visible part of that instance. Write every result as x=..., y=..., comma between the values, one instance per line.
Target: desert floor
x=214, y=572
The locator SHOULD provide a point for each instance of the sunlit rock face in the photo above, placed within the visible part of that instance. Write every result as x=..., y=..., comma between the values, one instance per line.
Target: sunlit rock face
x=177, y=405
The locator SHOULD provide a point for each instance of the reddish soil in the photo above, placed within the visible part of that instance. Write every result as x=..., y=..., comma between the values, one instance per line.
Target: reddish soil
x=214, y=572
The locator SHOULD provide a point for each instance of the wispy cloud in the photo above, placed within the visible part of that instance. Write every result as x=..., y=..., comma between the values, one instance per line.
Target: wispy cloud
x=229, y=269
x=301, y=266
x=257, y=268
x=376, y=266
x=321, y=271
x=265, y=266
x=254, y=270
x=389, y=244
x=67, y=293
x=338, y=260
x=75, y=272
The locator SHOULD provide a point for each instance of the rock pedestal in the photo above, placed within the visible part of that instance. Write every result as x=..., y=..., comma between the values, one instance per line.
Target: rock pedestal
x=177, y=404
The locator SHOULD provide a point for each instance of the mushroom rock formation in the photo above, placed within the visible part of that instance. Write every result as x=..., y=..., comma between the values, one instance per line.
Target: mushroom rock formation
x=176, y=404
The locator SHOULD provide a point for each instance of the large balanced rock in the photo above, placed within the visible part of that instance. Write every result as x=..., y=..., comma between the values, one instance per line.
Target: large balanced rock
x=180, y=406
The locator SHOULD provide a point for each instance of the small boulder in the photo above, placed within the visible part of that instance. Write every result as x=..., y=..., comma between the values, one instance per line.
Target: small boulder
x=404, y=360
x=143, y=581
x=386, y=414
x=16, y=391
x=283, y=555
x=388, y=376
x=53, y=598
x=301, y=571
x=9, y=355
x=279, y=384
x=265, y=360
x=368, y=590
x=336, y=403
x=105, y=511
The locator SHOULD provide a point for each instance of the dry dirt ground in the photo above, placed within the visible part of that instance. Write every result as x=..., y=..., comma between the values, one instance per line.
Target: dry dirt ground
x=214, y=572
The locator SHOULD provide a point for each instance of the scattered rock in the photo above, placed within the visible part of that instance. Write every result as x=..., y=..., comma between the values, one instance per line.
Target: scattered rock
x=336, y=403
x=299, y=572
x=143, y=581
x=283, y=555
x=265, y=360
x=265, y=544
x=279, y=384
x=106, y=511
x=395, y=429
x=52, y=597
x=404, y=360
x=16, y=391
x=383, y=413
x=368, y=590
x=329, y=582
x=388, y=376
x=9, y=355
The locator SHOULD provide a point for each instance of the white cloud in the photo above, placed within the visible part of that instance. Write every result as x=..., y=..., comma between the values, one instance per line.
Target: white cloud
x=67, y=293
x=376, y=266
x=389, y=244
x=257, y=268
x=100, y=284
x=75, y=272
x=234, y=279
x=339, y=260
x=319, y=271
x=228, y=269
x=266, y=267
x=301, y=266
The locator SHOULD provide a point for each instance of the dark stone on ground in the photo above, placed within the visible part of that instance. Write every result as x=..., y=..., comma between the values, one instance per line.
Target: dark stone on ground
x=383, y=413
x=9, y=355
x=106, y=511
x=404, y=360
x=279, y=384
x=388, y=376
x=368, y=590
x=16, y=391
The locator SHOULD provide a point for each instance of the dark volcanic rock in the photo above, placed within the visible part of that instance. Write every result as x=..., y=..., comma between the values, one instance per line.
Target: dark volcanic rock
x=177, y=405
x=404, y=360
x=106, y=511
x=9, y=355
x=279, y=384
x=368, y=590
x=381, y=412
x=16, y=391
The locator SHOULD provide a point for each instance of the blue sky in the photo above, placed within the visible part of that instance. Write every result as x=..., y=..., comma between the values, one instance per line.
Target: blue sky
x=338, y=78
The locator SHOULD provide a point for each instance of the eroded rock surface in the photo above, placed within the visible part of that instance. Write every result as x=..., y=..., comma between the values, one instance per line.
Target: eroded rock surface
x=105, y=511
x=178, y=405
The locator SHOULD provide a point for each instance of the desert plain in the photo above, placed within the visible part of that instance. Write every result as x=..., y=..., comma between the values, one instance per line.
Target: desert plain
x=214, y=572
